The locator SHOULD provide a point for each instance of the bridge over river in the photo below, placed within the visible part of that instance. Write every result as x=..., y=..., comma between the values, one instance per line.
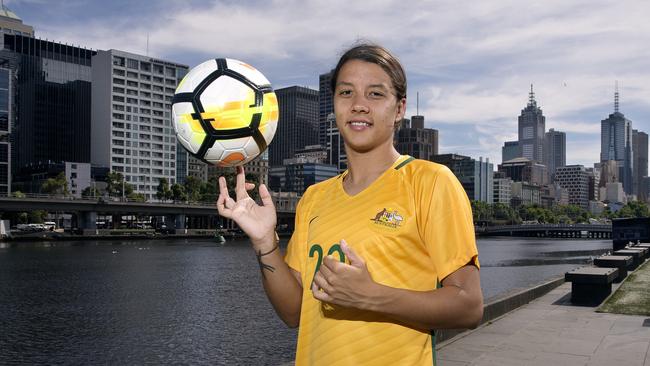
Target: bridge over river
x=549, y=230
x=178, y=215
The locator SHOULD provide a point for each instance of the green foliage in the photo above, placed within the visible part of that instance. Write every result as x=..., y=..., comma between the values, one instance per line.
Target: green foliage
x=632, y=209
x=209, y=192
x=500, y=213
x=136, y=197
x=178, y=193
x=163, y=192
x=57, y=185
x=90, y=192
x=115, y=183
x=37, y=216
x=192, y=188
x=18, y=194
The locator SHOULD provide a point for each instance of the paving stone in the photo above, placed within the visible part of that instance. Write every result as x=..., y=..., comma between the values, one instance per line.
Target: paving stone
x=623, y=348
x=505, y=326
x=548, y=332
x=487, y=339
x=572, y=346
x=461, y=352
x=558, y=359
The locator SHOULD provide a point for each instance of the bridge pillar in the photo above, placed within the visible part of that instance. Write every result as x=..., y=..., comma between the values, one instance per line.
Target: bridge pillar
x=87, y=222
x=176, y=222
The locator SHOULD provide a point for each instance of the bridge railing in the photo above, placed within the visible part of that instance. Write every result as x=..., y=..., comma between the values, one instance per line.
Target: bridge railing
x=59, y=197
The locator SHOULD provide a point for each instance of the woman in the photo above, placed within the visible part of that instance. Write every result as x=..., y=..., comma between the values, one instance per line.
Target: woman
x=382, y=254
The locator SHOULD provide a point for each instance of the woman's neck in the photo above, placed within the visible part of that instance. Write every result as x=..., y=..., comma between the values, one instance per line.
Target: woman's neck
x=365, y=168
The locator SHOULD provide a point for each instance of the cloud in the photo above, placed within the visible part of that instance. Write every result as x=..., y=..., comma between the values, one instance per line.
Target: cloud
x=471, y=62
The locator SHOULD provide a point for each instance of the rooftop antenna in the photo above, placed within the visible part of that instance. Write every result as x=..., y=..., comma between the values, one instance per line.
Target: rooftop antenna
x=616, y=96
x=417, y=103
x=531, y=96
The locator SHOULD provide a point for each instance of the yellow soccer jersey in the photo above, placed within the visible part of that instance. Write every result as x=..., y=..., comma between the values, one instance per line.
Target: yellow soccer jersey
x=412, y=226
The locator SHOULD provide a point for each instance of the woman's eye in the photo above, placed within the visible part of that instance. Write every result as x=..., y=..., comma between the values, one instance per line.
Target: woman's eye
x=375, y=94
x=345, y=92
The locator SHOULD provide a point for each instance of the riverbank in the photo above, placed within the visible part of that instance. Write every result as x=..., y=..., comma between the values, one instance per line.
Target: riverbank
x=549, y=330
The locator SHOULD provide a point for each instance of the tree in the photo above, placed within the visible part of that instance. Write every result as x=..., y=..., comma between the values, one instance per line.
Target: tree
x=192, y=188
x=136, y=197
x=37, y=216
x=633, y=209
x=18, y=194
x=90, y=192
x=115, y=182
x=178, y=192
x=163, y=192
x=56, y=186
x=210, y=190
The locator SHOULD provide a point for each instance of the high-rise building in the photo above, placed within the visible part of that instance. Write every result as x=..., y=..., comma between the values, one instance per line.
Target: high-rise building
x=328, y=134
x=509, y=151
x=336, y=154
x=132, y=130
x=297, y=174
x=476, y=177
x=524, y=170
x=325, y=105
x=616, y=144
x=524, y=193
x=502, y=189
x=575, y=179
x=5, y=132
x=640, y=165
x=531, y=130
x=298, y=124
x=554, y=151
x=594, y=183
x=50, y=100
x=10, y=23
x=415, y=140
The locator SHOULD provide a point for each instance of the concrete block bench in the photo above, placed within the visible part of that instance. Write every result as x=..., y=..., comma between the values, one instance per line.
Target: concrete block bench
x=646, y=251
x=637, y=256
x=590, y=285
x=615, y=261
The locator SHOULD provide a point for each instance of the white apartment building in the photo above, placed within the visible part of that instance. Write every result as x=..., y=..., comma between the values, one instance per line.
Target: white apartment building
x=132, y=130
x=502, y=190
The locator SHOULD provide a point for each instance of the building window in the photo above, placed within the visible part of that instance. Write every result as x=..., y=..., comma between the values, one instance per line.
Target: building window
x=132, y=64
x=118, y=61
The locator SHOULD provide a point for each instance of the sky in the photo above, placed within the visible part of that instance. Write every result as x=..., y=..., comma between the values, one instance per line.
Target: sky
x=471, y=62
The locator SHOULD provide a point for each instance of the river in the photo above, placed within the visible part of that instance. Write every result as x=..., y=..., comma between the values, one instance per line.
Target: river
x=188, y=301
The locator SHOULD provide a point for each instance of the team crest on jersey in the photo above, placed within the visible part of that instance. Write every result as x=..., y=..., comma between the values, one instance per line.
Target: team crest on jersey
x=389, y=218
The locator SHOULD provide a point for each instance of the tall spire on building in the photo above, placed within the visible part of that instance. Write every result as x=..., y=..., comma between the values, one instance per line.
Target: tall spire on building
x=616, y=96
x=531, y=97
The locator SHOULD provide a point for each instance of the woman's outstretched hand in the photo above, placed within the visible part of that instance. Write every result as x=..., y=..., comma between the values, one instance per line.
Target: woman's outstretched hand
x=258, y=222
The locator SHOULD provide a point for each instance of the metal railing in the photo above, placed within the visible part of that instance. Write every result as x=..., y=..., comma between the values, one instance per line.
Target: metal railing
x=100, y=199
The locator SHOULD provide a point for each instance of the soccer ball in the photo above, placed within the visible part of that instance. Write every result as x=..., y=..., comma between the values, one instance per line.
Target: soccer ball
x=225, y=112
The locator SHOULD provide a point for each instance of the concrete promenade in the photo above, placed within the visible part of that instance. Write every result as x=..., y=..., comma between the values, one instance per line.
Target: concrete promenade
x=551, y=331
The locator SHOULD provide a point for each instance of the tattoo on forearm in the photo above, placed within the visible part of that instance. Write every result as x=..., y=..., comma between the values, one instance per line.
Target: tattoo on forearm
x=264, y=266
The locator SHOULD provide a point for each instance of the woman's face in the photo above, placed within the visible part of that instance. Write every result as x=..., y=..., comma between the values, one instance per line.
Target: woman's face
x=366, y=107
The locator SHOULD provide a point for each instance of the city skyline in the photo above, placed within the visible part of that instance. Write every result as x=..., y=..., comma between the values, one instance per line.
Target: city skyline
x=471, y=91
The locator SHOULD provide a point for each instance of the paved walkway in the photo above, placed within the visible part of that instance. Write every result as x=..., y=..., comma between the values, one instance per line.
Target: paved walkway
x=550, y=331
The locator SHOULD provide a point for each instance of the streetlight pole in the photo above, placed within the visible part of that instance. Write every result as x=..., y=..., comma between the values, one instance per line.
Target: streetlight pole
x=122, y=189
